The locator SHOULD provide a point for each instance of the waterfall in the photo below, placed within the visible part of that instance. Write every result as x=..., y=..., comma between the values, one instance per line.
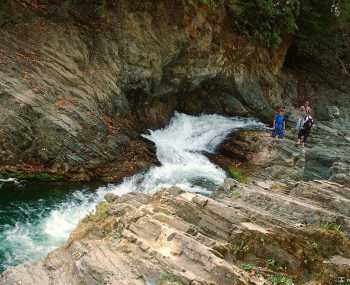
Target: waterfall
x=181, y=148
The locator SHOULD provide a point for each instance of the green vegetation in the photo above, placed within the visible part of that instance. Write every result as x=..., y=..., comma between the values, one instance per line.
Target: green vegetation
x=118, y=233
x=313, y=244
x=320, y=30
x=239, y=249
x=271, y=262
x=332, y=227
x=321, y=24
x=247, y=267
x=101, y=212
x=210, y=3
x=236, y=174
x=98, y=7
x=318, y=26
x=265, y=21
x=234, y=194
x=280, y=280
x=166, y=278
x=275, y=265
x=314, y=23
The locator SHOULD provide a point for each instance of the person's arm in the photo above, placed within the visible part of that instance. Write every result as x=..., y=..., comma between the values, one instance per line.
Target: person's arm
x=304, y=121
x=274, y=121
x=284, y=124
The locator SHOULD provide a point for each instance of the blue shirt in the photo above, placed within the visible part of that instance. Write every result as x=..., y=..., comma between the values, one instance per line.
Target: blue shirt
x=279, y=119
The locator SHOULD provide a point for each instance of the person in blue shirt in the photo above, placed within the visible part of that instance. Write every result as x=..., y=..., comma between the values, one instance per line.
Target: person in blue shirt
x=279, y=124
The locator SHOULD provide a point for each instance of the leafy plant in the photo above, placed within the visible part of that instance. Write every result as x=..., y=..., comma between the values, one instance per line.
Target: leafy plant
x=237, y=174
x=332, y=227
x=281, y=280
x=247, y=267
x=265, y=21
x=313, y=244
x=271, y=262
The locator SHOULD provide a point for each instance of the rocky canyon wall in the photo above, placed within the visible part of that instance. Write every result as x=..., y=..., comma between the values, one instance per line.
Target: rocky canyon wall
x=75, y=91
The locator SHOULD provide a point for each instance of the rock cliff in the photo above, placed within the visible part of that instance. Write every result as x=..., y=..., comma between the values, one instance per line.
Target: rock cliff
x=76, y=91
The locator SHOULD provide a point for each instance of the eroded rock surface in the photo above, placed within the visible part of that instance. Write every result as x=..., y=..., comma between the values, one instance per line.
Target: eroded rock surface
x=243, y=234
x=75, y=93
x=326, y=155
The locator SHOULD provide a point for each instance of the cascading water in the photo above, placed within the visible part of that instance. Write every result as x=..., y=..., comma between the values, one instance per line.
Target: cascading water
x=38, y=225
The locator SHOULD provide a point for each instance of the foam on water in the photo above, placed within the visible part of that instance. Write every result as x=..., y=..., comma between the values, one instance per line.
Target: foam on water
x=9, y=180
x=180, y=148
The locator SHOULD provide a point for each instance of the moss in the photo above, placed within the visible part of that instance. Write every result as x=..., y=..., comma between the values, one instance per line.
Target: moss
x=101, y=212
x=236, y=174
x=247, y=267
x=98, y=224
x=168, y=279
x=234, y=194
x=281, y=280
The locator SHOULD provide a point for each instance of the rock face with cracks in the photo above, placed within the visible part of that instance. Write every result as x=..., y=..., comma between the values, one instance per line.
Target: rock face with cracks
x=243, y=234
x=76, y=91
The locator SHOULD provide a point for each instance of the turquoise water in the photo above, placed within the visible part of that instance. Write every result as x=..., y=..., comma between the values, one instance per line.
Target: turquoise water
x=28, y=226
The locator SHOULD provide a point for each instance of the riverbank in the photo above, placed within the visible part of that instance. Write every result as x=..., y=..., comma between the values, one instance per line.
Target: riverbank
x=262, y=233
x=270, y=227
x=35, y=222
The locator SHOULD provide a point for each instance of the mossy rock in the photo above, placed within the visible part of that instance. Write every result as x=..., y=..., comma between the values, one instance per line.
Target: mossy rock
x=168, y=279
x=98, y=225
x=101, y=212
x=237, y=174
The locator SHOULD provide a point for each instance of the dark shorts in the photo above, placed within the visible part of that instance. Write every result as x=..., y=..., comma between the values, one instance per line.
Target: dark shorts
x=304, y=133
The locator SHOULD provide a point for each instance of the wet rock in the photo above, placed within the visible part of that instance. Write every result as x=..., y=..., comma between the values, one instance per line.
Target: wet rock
x=333, y=112
x=340, y=172
x=230, y=184
x=110, y=197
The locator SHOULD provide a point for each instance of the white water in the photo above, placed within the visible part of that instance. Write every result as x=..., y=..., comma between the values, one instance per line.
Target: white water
x=179, y=149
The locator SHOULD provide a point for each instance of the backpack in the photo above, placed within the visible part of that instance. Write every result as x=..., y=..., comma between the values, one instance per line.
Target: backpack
x=308, y=123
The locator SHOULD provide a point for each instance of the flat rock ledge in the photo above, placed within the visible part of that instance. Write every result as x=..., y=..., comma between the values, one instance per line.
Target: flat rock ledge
x=265, y=232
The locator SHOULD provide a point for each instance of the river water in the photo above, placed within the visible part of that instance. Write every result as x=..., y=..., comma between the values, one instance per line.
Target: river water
x=38, y=218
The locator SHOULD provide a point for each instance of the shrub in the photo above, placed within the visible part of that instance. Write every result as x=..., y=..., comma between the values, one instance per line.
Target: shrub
x=281, y=280
x=236, y=174
x=265, y=21
x=247, y=267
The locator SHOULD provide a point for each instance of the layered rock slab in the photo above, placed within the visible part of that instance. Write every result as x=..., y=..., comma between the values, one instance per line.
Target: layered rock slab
x=243, y=234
